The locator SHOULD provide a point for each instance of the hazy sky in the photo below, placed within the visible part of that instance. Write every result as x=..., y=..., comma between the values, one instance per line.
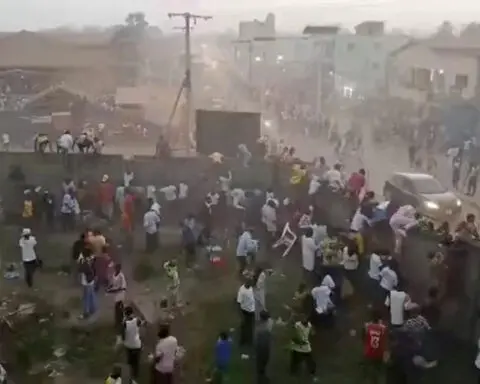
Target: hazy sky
x=418, y=14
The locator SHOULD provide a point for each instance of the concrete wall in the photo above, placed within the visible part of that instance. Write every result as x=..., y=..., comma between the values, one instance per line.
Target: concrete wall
x=47, y=170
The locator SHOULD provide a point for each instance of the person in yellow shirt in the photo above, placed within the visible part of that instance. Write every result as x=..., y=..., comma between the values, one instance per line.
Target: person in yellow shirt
x=115, y=377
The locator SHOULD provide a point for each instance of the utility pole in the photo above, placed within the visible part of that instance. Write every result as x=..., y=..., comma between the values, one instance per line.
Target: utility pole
x=188, y=18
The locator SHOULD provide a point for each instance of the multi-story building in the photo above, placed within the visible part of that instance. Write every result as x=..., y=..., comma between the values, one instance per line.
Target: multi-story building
x=361, y=58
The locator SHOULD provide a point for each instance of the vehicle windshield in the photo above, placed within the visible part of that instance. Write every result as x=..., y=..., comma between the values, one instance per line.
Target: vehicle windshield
x=428, y=186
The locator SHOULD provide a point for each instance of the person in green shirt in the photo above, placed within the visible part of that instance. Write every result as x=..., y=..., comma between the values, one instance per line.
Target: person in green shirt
x=301, y=349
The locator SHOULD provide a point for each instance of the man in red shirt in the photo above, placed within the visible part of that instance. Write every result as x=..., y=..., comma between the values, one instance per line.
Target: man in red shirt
x=106, y=197
x=375, y=342
x=356, y=182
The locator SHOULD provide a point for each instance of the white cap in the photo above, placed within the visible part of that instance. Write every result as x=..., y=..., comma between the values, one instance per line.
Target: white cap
x=26, y=231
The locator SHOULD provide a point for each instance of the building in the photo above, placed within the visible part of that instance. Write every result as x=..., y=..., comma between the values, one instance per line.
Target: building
x=361, y=58
x=250, y=30
x=435, y=69
x=83, y=67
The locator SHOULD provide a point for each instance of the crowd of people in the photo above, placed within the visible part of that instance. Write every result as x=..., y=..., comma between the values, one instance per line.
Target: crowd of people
x=336, y=262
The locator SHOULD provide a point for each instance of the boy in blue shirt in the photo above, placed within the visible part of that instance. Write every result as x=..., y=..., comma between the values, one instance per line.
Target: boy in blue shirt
x=223, y=355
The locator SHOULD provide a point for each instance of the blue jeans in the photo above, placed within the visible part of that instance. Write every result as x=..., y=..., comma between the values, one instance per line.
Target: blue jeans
x=89, y=300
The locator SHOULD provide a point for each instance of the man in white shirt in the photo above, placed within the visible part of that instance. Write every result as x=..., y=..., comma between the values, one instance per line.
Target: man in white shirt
x=27, y=245
x=118, y=286
x=269, y=218
x=322, y=296
x=6, y=142
x=314, y=185
x=170, y=192
x=309, y=252
x=165, y=356
x=132, y=342
x=182, y=191
x=225, y=182
x=398, y=301
x=65, y=142
x=374, y=268
x=238, y=198
x=246, y=247
x=358, y=221
x=246, y=301
x=388, y=280
x=334, y=177
x=151, y=224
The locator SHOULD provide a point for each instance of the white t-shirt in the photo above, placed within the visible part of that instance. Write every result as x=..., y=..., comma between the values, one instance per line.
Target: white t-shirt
x=132, y=334
x=170, y=192
x=358, y=221
x=321, y=295
x=309, y=248
x=313, y=187
x=225, y=183
x=238, y=197
x=166, y=349
x=65, y=141
x=27, y=247
x=246, y=299
x=119, y=282
x=182, y=191
x=350, y=262
x=375, y=264
x=151, y=192
x=397, y=301
x=127, y=178
x=477, y=360
x=334, y=177
x=389, y=279
x=328, y=281
x=269, y=218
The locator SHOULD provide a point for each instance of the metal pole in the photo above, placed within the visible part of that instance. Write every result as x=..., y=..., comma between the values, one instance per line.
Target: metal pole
x=188, y=77
x=250, y=65
x=188, y=17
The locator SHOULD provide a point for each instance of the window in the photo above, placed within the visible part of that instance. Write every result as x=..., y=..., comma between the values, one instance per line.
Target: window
x=422, y=79
x=350, y=47
x=428, y=186
x=461, y=81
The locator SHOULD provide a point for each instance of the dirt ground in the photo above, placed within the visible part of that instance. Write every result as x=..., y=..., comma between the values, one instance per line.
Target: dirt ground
x=54, y=341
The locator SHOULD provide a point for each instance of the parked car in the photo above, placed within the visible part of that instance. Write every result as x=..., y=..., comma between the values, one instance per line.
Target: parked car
x=425, y=193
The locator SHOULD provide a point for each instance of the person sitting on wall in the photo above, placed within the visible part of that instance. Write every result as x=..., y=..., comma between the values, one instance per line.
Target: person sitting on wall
x=41, y=142
x=84, y=143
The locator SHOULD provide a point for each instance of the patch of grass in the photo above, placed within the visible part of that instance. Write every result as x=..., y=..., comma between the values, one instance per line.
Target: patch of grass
x=144, y=270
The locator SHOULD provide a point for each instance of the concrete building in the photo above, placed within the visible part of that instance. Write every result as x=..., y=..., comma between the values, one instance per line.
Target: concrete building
x=361, y=58
x=434, y=69
x=249, y=30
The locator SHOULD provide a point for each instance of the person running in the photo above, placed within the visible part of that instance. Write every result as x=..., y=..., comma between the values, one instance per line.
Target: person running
x=375, y=337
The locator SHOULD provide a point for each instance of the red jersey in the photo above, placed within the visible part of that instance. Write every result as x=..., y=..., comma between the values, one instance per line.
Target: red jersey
x=356, y=182
x=375, y=337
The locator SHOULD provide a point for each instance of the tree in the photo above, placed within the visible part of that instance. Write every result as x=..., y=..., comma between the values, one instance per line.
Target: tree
x=446, y=29
x=137, y=20
x=128, y=41
x=471, y=30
